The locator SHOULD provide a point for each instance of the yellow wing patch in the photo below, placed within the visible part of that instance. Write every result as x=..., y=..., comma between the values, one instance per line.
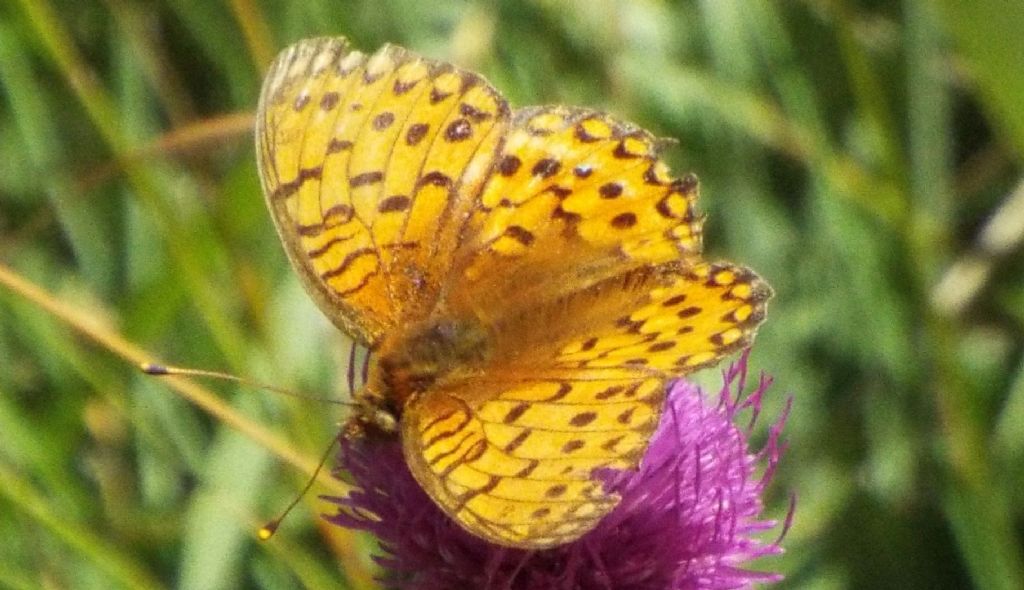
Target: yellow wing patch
x=691, y=322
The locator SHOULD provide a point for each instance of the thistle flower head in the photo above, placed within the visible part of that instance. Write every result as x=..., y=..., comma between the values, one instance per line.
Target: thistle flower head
x=688, y=518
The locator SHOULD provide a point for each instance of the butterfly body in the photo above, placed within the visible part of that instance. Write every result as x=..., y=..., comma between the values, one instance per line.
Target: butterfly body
x=427, y=354
x=527, y=280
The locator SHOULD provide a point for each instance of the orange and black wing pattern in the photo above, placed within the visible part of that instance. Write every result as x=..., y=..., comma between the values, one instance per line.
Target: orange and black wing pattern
x=362, y=160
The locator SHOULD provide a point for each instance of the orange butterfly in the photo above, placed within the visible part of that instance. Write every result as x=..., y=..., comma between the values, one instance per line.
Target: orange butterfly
x=528, y=280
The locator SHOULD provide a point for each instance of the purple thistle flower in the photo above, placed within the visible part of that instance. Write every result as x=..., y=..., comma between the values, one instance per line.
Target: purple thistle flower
x=688, y=518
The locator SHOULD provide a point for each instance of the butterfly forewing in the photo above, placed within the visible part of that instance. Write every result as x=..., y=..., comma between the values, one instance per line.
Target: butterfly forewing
x=574, y=197
x=364, y=162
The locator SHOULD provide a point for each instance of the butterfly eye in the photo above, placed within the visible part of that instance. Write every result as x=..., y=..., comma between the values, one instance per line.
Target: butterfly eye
x=385, y=420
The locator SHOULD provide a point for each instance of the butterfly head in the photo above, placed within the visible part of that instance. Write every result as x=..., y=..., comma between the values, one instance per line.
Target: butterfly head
x=376, y=417
x=404, y=368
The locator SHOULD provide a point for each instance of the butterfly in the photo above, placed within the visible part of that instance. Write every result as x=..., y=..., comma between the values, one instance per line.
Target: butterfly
x=527, y=280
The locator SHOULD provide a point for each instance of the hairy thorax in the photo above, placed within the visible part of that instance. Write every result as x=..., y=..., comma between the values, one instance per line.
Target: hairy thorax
x=422, y=357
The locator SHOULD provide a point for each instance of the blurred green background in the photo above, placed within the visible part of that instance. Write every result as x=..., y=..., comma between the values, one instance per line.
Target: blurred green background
x=865, y=156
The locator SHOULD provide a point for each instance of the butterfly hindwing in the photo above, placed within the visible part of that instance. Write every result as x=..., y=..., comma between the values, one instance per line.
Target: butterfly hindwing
x=517, y=467
x=511, y=453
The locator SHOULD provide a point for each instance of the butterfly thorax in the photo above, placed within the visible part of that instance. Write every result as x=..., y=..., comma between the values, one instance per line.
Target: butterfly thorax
x=422, y=356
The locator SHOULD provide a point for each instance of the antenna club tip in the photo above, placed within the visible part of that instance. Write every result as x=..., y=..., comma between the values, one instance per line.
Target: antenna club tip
x=268, y=530
x=153, y=369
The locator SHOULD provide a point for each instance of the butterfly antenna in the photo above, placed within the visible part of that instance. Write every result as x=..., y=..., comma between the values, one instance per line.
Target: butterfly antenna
x=366, y=366
x=352, y=368
x=166, y=370
x=268, y=530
